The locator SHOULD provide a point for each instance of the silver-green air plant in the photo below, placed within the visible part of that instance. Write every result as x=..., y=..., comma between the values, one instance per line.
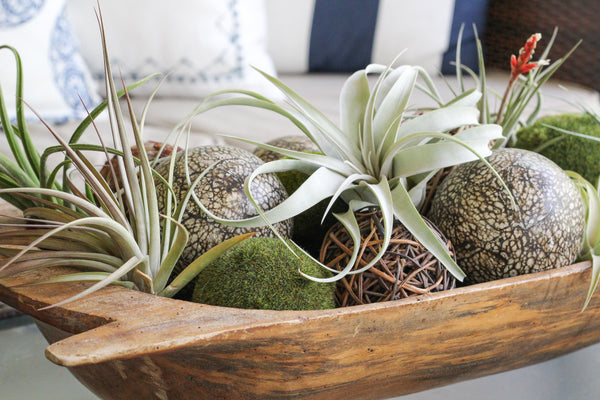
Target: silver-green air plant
x=381, y=155
x=590, y=250
x=111, y=237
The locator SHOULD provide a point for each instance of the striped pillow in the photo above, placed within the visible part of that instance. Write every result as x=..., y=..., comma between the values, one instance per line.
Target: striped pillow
x=346, y=35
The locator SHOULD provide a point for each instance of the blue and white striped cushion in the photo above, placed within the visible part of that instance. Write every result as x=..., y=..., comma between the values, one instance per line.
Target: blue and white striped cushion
x=346, y=35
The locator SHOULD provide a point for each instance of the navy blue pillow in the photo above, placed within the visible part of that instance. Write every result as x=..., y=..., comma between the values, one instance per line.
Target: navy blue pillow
x=467, y=12
x=342, y=35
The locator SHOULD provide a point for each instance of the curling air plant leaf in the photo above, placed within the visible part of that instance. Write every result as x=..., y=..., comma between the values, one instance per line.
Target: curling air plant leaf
x=590, y=250
x=590, y=194
x=111, y=237
x=381, y=155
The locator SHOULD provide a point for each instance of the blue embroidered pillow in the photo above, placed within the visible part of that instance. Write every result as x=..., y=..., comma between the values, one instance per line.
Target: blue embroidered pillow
x=200, y=45
x=55, y=77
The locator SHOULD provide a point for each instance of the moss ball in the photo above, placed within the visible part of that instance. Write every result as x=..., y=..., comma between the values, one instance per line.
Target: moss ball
x=568, y=151
x=261, y=273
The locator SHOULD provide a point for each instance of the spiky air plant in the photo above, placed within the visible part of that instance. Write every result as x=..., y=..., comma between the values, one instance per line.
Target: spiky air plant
x=382, y=154
x=522, y=100
x=112, y=237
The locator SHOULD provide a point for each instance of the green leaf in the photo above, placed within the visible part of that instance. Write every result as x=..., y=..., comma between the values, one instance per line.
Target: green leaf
x=317, y=160
x=591, y=241
x=192, y=270
x=104, y=281
x=26, y=156
x=348, y=220
x=177, y=245
x=393, y=105
x=74, y=241
x=457, y=62
x=353, y=100
x=85, y=264
x=401, y=161
x=320, y=185
x=84, y=205
x=595, y=279
x=409, y=216
x=439, y=120
x=83, y=125
x=334, y=135
x=149, y=219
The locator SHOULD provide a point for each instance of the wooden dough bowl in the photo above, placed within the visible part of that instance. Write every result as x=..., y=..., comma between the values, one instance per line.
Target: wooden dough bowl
x=124, y=344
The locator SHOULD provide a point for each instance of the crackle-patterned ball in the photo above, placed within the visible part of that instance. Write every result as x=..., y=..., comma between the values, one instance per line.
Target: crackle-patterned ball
x=494, y=239
x=221, y=191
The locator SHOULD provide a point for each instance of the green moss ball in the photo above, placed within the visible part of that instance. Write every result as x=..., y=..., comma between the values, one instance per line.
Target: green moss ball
x=261, y=273
x=568, y=151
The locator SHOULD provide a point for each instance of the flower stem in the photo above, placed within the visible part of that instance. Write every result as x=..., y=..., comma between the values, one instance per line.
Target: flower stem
x=509, y=87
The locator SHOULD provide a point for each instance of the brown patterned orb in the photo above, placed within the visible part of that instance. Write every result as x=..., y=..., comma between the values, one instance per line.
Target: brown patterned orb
x=495, y=240
x=221, y=191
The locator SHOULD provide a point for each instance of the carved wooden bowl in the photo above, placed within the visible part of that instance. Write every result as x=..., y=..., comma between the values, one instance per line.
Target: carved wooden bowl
x=124, y=344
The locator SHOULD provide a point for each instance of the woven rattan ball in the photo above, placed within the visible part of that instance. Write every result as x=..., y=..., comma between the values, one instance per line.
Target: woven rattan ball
x=406, y=269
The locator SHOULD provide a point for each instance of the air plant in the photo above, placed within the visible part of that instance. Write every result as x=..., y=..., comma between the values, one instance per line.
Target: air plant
x=112, y=237
x=524, y=86
x=590, y=250
x=382, y=154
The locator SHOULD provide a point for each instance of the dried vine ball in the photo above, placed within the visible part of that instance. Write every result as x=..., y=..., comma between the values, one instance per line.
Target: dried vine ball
x=406, y=269
x=495, y=240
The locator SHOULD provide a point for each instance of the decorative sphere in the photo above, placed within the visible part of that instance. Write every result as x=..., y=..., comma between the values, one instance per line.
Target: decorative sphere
x=495, y=240
x=221, y=191
x=406, y=268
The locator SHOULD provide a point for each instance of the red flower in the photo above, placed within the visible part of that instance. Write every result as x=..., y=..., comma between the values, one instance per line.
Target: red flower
x=521, y=65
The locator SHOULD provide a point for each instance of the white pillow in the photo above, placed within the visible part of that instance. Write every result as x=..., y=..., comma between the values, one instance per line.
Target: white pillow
x=202, y=45
x=54, y=73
